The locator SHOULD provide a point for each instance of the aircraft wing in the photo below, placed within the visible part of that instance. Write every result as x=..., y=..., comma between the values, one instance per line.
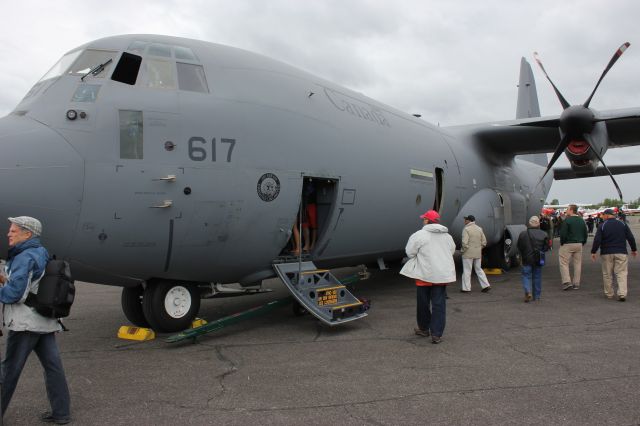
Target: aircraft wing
x=542, y=134
x=623, y=126
x=563, y=173
x=513, y=137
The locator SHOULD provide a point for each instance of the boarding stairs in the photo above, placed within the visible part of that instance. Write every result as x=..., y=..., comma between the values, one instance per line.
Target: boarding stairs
x=320, y=293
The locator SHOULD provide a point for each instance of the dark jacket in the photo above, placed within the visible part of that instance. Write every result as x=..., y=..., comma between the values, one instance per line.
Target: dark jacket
x=611, y=238
x=540, y=242
x=573, y=230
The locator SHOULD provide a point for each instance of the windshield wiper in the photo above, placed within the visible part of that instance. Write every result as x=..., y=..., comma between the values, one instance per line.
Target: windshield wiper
x=97, y=69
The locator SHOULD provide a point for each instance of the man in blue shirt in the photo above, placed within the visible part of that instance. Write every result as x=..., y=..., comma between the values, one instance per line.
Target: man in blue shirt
x=611, y=238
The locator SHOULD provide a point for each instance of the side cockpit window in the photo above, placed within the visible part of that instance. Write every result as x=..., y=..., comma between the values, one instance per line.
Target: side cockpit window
x=61, y=66
x=131, y=134
x=127, y=69
x=191, y=77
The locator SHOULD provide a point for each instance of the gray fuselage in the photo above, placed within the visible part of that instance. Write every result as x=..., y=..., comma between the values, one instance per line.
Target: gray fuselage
x=213, y=191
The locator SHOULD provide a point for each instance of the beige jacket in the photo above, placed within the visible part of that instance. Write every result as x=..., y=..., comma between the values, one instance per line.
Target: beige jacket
x=473, y=241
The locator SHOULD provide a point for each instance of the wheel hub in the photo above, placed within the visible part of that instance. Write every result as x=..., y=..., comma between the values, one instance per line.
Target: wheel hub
x=177, y=302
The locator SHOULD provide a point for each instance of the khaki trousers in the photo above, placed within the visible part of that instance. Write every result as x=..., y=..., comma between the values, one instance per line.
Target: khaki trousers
x=614, y=264
x=476, y=265
x=570, y=254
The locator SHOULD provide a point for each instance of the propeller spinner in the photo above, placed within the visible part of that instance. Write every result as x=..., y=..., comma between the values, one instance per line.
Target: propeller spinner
x=578, y=121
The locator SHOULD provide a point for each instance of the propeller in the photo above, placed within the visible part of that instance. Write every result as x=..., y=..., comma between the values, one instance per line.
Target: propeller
x=577, y=121
x=608, y=171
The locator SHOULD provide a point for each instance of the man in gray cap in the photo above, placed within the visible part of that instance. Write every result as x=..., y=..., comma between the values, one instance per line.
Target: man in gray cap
x=473, y=241
x=28, y=330
x=531, y=243
x=611, y=239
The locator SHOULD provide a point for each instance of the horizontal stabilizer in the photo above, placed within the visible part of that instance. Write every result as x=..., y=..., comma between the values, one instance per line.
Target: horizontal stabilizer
x=563, y=173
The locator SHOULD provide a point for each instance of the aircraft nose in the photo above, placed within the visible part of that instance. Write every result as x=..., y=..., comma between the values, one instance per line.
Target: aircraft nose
x=41, y=175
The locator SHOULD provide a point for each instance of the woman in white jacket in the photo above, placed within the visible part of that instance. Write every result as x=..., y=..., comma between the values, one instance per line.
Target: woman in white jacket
x=430, y=252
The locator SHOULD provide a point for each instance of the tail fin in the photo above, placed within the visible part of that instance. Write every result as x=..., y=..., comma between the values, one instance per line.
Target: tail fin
x=527, y=94
x=528, y=105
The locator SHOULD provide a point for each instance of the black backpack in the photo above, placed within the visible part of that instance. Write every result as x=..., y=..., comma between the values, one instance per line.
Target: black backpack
x=55, y=291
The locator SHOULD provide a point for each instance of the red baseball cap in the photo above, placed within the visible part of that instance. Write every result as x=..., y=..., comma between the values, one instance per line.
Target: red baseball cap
x=432, y=215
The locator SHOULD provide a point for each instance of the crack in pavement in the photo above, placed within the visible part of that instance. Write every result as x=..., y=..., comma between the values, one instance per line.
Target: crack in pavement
x=512, y=346
x=221, y=377
x=423, y=394
x=362, y=420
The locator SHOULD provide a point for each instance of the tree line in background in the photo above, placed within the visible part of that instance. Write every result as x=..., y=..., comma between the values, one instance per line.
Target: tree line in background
x=608, y=202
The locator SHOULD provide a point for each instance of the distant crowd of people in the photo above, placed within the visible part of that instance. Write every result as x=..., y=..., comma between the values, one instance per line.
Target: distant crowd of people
x=430, y=262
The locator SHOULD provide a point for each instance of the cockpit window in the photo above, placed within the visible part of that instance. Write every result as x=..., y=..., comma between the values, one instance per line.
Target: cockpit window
x=62, y=65
x=90, y=59
x=160, y=74
x=157, y=49
x=127, y=69
x=159, y=69
x=137, y=47
x=184, y=53
x=163, y=50
x=191, y=77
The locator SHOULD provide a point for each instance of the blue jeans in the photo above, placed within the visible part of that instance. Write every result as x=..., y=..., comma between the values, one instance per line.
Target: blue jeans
x=432, y=308
x=19, y=346
x=529, y=272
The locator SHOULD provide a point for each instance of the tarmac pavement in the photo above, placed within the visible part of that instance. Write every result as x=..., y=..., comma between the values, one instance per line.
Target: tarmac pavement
x=571, y=359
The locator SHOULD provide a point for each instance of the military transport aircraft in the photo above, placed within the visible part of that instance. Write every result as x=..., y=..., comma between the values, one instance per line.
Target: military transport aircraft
x=169, y=166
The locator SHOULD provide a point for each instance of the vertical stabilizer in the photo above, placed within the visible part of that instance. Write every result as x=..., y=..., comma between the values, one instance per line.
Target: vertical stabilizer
x=528, y=105
x=527, y=94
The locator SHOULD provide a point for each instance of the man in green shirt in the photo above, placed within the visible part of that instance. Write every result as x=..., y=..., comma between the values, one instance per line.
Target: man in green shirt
x=573, y=235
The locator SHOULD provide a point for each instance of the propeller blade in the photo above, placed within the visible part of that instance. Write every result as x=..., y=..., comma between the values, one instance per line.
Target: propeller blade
x=607, y=169
x=564, y=142
x=613, y=60
x=561, y=98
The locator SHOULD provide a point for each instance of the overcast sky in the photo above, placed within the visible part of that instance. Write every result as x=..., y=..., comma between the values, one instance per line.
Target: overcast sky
x=454, y=62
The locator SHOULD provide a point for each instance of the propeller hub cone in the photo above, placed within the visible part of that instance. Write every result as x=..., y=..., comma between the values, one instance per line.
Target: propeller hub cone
x=577, y=120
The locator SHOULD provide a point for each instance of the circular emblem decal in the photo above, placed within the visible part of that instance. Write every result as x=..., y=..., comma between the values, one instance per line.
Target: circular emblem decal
x=268, y=187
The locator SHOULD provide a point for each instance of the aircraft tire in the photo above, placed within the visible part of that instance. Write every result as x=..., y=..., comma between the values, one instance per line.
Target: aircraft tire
x=516, y=260
x=498, y=257
x=169, y=306
x=131, y=300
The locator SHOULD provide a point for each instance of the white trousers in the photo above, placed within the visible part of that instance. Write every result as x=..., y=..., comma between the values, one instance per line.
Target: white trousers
x=467, y=264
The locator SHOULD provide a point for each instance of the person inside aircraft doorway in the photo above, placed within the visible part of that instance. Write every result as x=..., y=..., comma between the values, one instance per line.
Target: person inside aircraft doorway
x=430, y=251
x=309, y=217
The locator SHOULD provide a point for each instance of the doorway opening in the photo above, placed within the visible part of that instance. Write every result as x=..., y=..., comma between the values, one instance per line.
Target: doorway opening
x=317, y=202
x=437, y=202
